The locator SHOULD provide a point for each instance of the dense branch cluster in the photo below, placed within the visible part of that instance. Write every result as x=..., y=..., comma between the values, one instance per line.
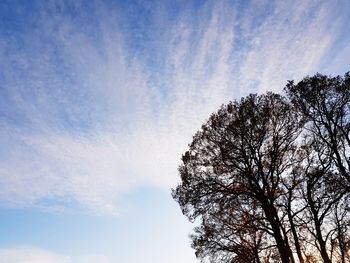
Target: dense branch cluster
x=268, y=177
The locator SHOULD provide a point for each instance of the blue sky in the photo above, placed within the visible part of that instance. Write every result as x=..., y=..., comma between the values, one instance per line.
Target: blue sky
x=99, y=99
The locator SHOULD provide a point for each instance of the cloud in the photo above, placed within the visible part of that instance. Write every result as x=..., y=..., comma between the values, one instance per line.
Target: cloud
x=35, y=255
x=288, y=44
x=29, y=255
x=95, y=106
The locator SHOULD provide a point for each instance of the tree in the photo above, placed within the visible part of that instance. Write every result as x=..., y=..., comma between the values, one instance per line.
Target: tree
x=238, y=159
x=325, y=104
x=268, y=177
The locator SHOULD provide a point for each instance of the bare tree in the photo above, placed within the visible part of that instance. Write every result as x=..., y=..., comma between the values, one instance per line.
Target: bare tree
x=268, y=177
x=241, y=155
x=325, y=104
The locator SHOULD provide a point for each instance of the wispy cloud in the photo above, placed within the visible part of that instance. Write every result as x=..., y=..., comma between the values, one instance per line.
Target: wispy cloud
x=87, y=115
x=290, y=43
x=29, y=255
x=35, y=255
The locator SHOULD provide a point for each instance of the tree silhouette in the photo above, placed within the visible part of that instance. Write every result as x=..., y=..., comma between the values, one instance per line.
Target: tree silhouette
x=267, y=177
x=325, y=104
x=238, y=160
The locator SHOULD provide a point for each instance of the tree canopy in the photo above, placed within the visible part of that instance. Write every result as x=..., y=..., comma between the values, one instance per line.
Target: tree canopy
x=268, y=177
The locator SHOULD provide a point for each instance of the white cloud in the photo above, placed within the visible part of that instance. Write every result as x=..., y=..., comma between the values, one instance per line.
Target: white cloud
x=102, y=122
x=288, y=44
x=35, y=255
x=29, y=255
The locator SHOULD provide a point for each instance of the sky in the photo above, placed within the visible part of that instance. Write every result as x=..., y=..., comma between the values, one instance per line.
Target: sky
x=99, y=99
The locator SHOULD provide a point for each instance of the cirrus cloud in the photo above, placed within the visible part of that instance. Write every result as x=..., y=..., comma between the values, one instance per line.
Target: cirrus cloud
x=30, y=255
x=86, y=115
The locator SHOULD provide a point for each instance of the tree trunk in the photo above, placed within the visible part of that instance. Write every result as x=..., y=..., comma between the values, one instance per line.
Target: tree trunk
x=295, y=238
x=272, y=217
x=322, y=244
x=287, y=243
x=317, y=223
